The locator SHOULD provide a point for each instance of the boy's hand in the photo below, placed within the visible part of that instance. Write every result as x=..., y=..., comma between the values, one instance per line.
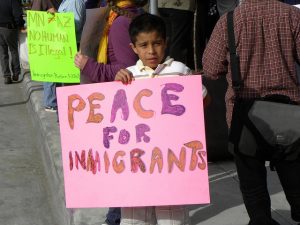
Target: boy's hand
x=80, y=60
x=125, y=76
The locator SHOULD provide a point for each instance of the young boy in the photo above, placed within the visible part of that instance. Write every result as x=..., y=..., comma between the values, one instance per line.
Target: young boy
x=148, y=37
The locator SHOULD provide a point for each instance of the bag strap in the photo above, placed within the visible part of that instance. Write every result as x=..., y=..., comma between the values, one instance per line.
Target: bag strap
x=237, y=83
x=298, y=73
x=234, y=58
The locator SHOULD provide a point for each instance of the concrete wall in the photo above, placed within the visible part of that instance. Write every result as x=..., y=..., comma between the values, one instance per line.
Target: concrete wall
x=47, y=132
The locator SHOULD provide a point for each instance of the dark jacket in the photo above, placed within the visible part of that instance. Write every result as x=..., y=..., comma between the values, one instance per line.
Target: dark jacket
x=11, y=14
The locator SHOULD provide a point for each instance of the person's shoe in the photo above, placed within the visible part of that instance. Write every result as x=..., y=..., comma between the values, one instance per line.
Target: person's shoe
x=50, y=109
x=264, y=222
x=15, y=77
x=7, y=80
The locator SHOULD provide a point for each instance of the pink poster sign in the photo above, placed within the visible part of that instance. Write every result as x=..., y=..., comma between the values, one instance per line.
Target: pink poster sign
x=141, y=144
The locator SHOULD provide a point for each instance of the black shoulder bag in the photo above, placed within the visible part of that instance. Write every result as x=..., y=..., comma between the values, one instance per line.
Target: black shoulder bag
x=267, y=127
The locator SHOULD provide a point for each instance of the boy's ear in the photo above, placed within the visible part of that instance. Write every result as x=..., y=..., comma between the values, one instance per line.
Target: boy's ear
x=133, y=48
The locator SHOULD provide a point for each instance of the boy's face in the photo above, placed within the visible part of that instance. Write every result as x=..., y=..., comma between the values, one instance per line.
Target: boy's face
x=150, y=47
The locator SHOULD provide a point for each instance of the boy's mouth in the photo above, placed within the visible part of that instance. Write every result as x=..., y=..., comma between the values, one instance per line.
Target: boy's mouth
x=152, y=60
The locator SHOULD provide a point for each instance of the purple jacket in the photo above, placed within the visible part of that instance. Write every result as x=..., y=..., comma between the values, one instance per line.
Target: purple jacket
x=120, y=54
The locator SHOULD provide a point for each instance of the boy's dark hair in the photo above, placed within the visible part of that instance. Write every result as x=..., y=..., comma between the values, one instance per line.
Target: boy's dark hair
x=146, y=23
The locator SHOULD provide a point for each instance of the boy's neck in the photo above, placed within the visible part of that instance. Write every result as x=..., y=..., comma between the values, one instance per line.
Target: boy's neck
x=161, y=66
x=162, y=62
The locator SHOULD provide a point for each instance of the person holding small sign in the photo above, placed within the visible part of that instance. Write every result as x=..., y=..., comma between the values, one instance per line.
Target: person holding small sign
x=77, y=7
x=114, y=53
x=148, y=36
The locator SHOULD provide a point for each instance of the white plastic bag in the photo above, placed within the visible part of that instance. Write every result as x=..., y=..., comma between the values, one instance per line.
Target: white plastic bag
x=23, y=50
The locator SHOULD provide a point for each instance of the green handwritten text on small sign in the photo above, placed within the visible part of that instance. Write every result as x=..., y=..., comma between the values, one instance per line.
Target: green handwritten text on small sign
x=52, y=47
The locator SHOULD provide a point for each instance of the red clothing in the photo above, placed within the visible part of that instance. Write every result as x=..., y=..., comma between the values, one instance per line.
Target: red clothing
x=267, y=35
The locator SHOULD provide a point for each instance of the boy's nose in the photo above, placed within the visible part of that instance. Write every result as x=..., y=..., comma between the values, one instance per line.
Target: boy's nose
x=151, y=49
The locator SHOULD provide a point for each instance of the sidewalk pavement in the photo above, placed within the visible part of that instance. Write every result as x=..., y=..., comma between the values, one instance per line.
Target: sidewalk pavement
x=226, y=206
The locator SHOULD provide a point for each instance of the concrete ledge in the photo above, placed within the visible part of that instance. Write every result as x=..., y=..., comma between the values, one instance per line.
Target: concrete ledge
x=47, y=131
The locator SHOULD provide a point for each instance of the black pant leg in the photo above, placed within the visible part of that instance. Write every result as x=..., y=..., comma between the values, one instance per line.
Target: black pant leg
x=4, y=55
x=13, y=46
x=253, y=184
x=288, y=172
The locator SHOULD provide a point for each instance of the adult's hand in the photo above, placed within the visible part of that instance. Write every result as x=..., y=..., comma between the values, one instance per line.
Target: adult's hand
x=52, y=10
x=23, y=30
x=80, y=60
x=125, y=76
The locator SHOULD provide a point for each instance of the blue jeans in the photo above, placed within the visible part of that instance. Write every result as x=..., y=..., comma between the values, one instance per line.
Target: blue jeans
x=113, y=216
x=50, y=94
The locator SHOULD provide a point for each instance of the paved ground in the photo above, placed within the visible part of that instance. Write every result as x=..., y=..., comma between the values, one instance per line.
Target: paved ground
x=23, y=194
x=23, y=186
x=226, y=206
